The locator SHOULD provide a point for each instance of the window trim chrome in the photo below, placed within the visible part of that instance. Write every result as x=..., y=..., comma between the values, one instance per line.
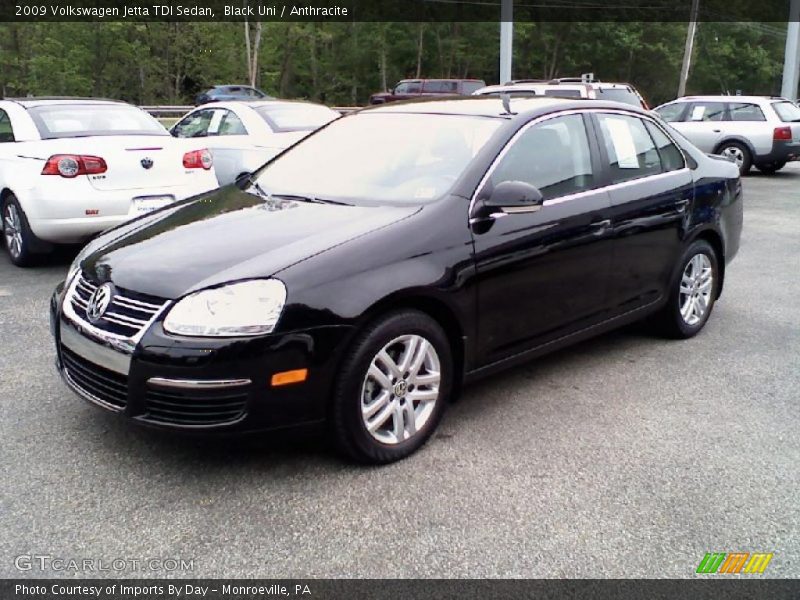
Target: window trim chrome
x=576, y=195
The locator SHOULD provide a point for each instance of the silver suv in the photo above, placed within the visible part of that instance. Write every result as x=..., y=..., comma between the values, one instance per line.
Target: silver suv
x=568, y=87
x=750, y=130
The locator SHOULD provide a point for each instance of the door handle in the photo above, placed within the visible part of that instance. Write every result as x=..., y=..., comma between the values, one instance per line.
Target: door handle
x=600, y=226
x=680, y=206
x=717, y=130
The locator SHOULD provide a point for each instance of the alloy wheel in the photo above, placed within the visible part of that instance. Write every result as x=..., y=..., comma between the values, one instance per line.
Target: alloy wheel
x=12, y=229
x=735, y=154
x=401, y=389
x=697, y=285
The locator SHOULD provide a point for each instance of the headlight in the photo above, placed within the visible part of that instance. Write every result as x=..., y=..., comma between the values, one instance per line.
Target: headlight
x=239, y=309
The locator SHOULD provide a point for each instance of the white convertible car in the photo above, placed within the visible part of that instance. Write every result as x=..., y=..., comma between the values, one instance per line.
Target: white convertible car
x=71, y=168
x=242, y=136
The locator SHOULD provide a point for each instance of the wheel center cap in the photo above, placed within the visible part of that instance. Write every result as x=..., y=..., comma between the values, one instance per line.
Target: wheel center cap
x=400, y=388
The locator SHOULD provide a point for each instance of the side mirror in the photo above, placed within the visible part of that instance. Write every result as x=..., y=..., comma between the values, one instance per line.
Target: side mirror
x=514, y=197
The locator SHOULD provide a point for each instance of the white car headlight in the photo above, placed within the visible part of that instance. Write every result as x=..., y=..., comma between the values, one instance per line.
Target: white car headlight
x=239, y=309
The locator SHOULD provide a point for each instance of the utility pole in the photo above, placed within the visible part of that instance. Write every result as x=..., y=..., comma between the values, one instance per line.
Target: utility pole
x=791, y=61
x=506, y=38
x=687, y=50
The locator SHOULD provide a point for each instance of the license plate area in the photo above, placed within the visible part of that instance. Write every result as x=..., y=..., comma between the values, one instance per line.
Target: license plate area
x=145, y=204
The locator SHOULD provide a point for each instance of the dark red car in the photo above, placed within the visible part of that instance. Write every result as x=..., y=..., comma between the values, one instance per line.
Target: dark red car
x=418, y=88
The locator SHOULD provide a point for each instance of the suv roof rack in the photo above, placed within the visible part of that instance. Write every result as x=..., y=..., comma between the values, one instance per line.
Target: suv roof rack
x=38, y=98
x=515, y=81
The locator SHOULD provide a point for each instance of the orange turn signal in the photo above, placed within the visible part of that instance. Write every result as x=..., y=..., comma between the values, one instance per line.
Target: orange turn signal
x=287, y=377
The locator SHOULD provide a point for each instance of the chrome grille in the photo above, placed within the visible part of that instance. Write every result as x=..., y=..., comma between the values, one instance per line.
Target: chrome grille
x=127, y=315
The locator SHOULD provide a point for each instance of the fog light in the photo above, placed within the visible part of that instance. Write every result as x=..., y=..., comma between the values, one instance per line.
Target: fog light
x=287, y=377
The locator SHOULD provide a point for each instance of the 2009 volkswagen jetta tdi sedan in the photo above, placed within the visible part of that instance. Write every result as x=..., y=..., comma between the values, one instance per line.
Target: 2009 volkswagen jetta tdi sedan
x=362, y=276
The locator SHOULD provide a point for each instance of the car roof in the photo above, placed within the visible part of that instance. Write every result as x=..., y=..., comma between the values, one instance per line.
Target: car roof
x=439, y=79
x=754, y=99
x=54, y=100
x=495, y=106
x=256, y=104
x=522, y=87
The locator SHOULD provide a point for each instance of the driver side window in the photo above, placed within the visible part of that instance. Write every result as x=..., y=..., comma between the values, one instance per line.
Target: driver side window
x=195, y=125
x=553, y=156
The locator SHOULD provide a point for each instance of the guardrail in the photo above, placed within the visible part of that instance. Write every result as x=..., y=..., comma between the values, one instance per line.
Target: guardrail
x=177, y=111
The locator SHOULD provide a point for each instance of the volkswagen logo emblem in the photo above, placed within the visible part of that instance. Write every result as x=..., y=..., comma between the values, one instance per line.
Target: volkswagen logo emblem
x=147, y=162
x=99, y=301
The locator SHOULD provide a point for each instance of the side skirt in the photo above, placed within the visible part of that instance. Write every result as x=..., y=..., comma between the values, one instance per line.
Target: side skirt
x=567, y=340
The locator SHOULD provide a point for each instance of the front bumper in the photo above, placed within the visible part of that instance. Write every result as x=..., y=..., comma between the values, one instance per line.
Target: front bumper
x=205, y=385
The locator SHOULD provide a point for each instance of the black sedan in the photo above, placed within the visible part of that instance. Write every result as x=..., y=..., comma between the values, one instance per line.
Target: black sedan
x=362, y=276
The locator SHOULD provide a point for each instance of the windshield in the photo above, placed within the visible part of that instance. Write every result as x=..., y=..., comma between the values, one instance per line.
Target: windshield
x=296, y=117
x=78, y=120
x=787, y=111
x=380, y=157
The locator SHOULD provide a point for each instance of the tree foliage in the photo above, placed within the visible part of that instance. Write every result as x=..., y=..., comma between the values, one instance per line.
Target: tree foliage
x=342, y=63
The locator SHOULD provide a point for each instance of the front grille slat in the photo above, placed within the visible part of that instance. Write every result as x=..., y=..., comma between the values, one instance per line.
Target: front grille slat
x=95, y=380
x=105, y=385
x=195, y=407
x=129, y=314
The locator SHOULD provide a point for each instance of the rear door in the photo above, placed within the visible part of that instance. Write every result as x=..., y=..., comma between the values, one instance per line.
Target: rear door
x=651, y=193
x=747, y=120
x=703, y=124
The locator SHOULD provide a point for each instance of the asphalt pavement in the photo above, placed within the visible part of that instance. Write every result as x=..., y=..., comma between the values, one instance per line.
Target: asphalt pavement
x=625, y=456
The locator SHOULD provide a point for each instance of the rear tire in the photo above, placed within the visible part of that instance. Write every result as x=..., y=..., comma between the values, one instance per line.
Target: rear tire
x=738, y=153
x=17, y=235
x=693, y=292
x=771, y=168
x=392, y=388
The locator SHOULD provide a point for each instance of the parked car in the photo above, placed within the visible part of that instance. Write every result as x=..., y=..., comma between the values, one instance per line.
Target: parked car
x=362, y=276
x=70, y=168
x=568, y=87
x=749, y=130
x=243, y=136
x=420, y=88
x=221, y=93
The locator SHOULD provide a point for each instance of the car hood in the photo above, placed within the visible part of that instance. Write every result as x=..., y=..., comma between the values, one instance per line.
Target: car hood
x=227, y=235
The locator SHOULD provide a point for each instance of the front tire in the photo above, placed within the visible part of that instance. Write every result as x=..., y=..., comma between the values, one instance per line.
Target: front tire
x=739, y=154
x=17, y=234
x=693, y=292
x=393, y=388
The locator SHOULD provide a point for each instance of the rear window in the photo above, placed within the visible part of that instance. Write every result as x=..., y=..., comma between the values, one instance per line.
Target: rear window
x=621, y=94
x=296, y=117
x=81, y=120
x=786, y=111
x=745, y=112
x=563, y=93
x=471, y=86
x=437, y=86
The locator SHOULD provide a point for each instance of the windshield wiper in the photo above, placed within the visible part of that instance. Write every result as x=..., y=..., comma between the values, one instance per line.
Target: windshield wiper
x=266, y=196
x=312, y=199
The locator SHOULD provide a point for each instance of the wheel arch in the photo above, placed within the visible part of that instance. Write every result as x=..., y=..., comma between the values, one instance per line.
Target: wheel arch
x=713, y=237
x=438, y=310
x=739, y=140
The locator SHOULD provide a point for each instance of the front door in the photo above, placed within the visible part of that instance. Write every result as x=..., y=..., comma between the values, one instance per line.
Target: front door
x=543, y=274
